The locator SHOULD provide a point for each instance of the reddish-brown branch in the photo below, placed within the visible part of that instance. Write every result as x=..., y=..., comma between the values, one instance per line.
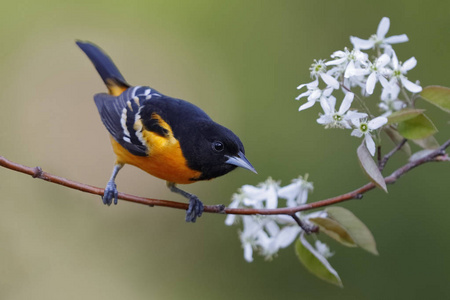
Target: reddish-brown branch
x=37, y=172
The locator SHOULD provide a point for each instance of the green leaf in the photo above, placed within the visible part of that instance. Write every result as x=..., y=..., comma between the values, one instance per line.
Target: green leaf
x=370, y=168
x=334, y=230
x=417, y=128
x=403, y=115
x=437, y=95
x=427, y=143
x=397, y=139
x=355, y=228
x=315, y=262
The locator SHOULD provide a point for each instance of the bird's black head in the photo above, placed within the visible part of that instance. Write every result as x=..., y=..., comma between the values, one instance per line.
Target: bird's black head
x=213, y=150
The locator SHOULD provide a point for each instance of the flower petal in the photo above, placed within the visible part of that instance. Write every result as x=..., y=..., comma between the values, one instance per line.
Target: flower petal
x=394, y=60
x=327, y=91
x=409, y=64
x=248, y=252
x=315, y=94
x=286, y=236
x=336, y=61
x=377, y=123
x=272, y=198
x=307, y=93
x=272, y=228
x=357, y=132
x=360, y=43
x=412, y=87
x=385, y=83
x=346, y=103
x=383, y=28
x=383, y=60
x=332, y=102
x=351, y=70
x=310, y=85
x=307, y=105
x=370, y=84
x=370, y=144
x=325, y=105
x=395, y=39
x=329, y=80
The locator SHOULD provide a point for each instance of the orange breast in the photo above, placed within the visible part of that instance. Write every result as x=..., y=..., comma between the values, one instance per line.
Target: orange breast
x=165, y=160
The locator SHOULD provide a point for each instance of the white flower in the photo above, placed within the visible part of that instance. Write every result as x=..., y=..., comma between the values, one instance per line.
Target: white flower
x=379, y=39
x=249, y=235
x=352, y=60
x=264, y=234
x=287, y=236
x=399, y=71
x=389, y=99
x=269, y=234
x=377, y=72
x=341, y=118
x=319, y=68
x=296, y=193
x=264, y=192
x=269, y=244
x=364, y=128
x=313, y=93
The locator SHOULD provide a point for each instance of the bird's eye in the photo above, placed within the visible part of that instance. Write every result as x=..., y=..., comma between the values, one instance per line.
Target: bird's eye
x=218, y=146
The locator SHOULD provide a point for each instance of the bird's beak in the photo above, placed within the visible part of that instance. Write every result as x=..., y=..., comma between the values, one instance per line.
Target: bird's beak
x=241, y=161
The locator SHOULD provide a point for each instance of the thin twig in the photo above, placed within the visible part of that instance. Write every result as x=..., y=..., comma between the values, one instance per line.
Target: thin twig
x=382, y=163
x=37, y=172
x=379, y=155
x=308, y=229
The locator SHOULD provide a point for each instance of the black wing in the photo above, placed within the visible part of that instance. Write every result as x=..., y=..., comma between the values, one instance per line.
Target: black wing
x=121, y=116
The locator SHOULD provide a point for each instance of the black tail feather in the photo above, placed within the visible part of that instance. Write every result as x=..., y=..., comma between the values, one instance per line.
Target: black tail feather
x=104, y=65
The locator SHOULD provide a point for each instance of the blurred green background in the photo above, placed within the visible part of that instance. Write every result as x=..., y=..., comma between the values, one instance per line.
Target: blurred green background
x=241, y=61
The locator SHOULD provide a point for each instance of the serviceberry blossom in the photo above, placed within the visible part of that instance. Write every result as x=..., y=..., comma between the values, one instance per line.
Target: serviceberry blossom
x=377, y=72
x=389, y=99
x=296, y=193
x=268, y=234
x=379, y=39
x=354, y=70
x=364, y=129
x=338, y=119
x=319, y=69
x=314, y=94
x=352, y=60
x=399, y=71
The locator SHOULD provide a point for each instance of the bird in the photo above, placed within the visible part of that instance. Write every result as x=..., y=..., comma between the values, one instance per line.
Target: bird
x=169, y=138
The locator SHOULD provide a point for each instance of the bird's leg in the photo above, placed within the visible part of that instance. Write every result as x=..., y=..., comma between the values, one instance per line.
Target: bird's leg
x=111, y=189
x=195, y=205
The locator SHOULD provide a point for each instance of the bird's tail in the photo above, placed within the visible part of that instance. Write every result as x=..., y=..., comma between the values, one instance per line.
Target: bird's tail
x=114, y=81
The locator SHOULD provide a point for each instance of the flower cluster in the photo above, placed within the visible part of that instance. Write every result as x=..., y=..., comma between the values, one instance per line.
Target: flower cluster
x=268, y=234
x=350, y=69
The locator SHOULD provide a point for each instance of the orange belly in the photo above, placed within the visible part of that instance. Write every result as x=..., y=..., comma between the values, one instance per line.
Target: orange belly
x=165, y=160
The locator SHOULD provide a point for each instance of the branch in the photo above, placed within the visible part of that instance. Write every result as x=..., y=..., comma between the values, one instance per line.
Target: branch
x=37, y=172
x=382, y=162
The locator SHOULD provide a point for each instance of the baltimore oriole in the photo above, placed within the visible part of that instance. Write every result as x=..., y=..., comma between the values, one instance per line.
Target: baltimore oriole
x=166, y=137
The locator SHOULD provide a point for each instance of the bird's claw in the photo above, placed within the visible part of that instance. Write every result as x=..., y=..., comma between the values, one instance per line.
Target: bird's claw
x=111, y=193
x=195, y=209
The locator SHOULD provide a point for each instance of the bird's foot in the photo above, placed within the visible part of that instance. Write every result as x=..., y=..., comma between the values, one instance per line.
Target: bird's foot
x=195, y=209
x=111, y=193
